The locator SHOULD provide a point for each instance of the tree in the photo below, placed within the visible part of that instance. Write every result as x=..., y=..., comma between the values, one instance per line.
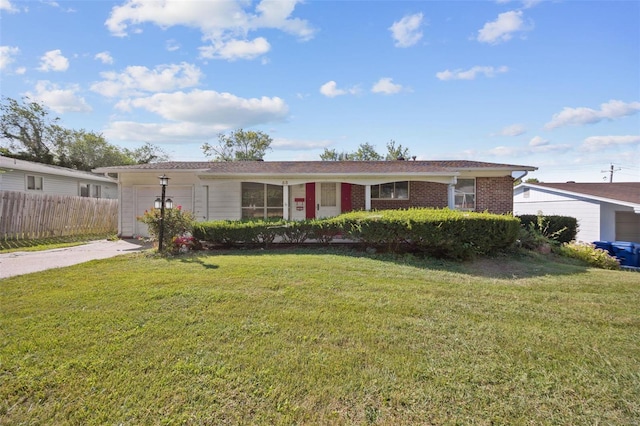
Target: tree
x=366, y=152
x=396, y=152
x=29, y=132
x=89, y=150
x=333, y=155
x=240, y=145
x=147, y=153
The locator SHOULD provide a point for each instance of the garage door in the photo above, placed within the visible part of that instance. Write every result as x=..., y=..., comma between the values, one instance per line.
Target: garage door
x=146, y=195
x=628, y=226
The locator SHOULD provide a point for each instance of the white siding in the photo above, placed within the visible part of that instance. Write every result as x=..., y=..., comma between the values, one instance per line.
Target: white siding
x=586, y=212
x=225, y=201
x=16, y=180
x=127, y=212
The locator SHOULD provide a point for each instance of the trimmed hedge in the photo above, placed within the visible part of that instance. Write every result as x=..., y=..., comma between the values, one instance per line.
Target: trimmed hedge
x=439, y=233
x=562, y=229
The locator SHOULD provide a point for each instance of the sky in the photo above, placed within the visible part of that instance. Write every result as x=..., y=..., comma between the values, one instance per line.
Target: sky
x=549, y=84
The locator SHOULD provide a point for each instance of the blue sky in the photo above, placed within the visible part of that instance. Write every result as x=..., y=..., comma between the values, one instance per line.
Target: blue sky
x=551, y=84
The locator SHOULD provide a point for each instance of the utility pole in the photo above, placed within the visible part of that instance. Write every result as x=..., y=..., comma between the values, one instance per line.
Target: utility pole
x=610, y=171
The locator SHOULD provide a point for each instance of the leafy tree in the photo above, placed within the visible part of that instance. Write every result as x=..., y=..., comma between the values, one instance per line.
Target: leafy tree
x=29, y=132
x=366, y=152
x=333, y=155
x=89, y=150
x=396, y=152
x=240, y=145
x=147, y=153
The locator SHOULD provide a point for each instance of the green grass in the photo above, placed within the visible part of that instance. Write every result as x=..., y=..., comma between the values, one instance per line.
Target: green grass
x=329, y=337
x=9, y=246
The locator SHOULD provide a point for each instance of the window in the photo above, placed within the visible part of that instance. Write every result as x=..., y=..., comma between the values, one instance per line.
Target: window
x=465, y=194
x=525, y=193
x=261, y=201
x=391, y=190
x=34, y=183
x=89, y=190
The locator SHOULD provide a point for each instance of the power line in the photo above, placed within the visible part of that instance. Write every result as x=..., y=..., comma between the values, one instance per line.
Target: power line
x=610, y=171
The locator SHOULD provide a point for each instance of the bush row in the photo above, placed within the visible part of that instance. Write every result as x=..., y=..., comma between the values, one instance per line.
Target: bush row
x=561, y=229
x=440, y=233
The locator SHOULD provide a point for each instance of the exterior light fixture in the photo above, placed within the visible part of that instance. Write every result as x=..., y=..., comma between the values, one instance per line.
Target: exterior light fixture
x=164, y=181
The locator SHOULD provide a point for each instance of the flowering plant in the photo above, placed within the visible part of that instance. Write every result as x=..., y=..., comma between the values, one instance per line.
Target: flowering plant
x=177, y=222
x=185, y=242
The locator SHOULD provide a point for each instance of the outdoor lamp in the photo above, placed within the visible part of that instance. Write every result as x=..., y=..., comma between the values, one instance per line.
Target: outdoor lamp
x=164, y=181
x=168, y=204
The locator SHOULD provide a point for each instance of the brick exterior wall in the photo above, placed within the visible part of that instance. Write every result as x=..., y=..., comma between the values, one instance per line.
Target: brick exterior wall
x=493, y=194
x=421, y=194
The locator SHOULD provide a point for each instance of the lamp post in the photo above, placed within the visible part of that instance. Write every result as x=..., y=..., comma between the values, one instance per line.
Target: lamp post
x=161, y=203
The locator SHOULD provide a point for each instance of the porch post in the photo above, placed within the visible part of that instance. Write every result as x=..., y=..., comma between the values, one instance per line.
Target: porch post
x=451, y=202
x=285, y=202
x=367, y=197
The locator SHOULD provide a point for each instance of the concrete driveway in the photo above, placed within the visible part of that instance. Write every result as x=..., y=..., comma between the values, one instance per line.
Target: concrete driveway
x=22, y=262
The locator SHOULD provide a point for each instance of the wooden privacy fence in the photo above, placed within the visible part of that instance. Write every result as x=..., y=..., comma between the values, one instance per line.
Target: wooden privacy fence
x=33, y=216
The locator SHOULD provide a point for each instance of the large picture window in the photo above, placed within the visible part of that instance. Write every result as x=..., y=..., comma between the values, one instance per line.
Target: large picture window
x=465, y=194
x=261, y=201
x=34, y=183
x=391, y=190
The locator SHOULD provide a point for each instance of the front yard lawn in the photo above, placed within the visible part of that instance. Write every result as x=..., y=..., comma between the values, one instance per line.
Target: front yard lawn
x=323, y=337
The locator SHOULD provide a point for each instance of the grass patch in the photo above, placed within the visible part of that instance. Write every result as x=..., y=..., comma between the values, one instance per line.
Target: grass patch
x=329, y=337
x=9, y=246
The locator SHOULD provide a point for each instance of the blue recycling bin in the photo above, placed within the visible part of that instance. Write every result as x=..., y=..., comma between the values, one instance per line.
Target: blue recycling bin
x=604, y=245
x=626, y=252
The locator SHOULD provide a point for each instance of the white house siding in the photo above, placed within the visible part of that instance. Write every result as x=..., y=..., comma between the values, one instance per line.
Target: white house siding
x=586, y=212
x=16, y=180
x=126, y=221
x=225, y=202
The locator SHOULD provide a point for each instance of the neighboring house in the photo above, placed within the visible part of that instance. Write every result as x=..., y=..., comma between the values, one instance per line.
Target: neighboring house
x=300, y=190
x=605, y=211
x=26, y=176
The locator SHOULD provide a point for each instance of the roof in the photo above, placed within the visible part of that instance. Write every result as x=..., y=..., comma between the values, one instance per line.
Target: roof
x=319, y=167
x=627, y=192
x=9, y=164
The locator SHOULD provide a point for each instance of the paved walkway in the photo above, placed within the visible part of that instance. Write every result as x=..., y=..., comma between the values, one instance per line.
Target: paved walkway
x=23, y=262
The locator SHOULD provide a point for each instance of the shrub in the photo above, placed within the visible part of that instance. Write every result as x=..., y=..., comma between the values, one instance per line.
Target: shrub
x=230, y=233
x=176, y=223
x=589, y=254
x=562, y=229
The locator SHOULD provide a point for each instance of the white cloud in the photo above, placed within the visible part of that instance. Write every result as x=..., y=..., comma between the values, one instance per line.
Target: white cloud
x=582, y=115
x=406, y=32
x=538, y=141
x=6, y=6
x=59, y=99
x=502, y=28
x=330, y=90
x=7, y=56
x=224, y=24
x=172, y=45
x=162, y=132
x=598, y=143
x=387, y=86
x=53, y=61
x=471, y=73
x=136, y=80
x=537, y=145
x=208, y=107
x=513, y=130
x=236, y=49
x=104, y=57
